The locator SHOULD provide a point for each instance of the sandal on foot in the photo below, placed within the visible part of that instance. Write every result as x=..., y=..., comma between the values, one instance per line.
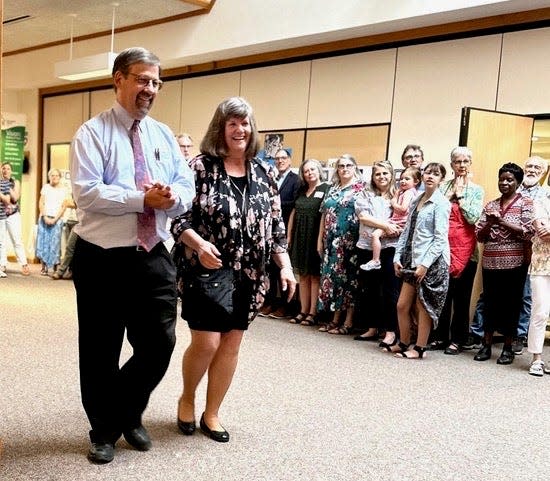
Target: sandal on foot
x=386, y=346
x=453, y=348
x=396, y=348
x=410, y=355
x=344, y=330
x=328, y=327
x=436, y=345
x=309, y=320
x=298, y=318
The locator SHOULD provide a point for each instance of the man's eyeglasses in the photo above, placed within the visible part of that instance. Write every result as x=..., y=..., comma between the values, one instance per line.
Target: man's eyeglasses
x=282, y=157
x=413, y=156
x=533, y=167
x=462, y=161
x=346, y=166
x=143, y=81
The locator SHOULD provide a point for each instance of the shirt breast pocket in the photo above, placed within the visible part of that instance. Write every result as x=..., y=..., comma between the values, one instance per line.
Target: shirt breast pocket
x=162, y=164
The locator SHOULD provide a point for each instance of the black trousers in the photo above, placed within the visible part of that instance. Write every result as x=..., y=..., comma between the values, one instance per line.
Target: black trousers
x=503, y=295
x=122, y=291
x=378, y=292
x=454, y=320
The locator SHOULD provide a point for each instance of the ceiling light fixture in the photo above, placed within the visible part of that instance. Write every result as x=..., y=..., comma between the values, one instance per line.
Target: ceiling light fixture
x=93, y=66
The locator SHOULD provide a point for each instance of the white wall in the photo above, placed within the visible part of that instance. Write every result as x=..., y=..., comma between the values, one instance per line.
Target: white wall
x=233, y=29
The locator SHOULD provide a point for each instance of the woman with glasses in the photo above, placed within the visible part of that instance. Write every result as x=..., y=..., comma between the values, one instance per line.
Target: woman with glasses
x=466, y=199
x=338, y=235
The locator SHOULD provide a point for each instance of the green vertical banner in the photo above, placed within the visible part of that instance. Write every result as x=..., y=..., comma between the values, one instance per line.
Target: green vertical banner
x=12, y=142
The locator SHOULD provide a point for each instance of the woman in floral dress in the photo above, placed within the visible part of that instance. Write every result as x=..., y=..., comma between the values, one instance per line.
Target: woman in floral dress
x=336, y=245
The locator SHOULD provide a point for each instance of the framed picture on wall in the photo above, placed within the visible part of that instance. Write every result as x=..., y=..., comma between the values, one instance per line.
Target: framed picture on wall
x=292, y=140
x=272, y=143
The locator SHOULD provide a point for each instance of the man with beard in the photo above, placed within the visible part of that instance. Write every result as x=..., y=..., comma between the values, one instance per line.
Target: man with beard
x=128, y=177
x=534, y=169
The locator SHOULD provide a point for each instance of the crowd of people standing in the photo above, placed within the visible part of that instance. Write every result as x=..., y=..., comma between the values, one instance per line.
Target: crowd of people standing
x=397, y=261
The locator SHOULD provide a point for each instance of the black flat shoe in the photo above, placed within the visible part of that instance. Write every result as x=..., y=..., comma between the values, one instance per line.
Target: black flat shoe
x=484, y=354
x=220, y=436
x=187, y=428
x=366, y=338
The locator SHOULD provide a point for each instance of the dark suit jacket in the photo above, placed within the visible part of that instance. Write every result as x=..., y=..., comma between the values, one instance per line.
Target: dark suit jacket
x=289, y=192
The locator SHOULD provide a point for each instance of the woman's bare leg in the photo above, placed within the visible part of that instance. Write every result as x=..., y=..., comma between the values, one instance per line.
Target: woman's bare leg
x=304, y=292
x=196, y=359
x=313, y=293
x=220, y=375
x=406, y=299
x=424, y=325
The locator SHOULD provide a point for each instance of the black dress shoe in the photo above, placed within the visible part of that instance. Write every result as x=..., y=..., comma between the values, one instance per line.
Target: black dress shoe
x=138, y=438
x=484, y=354
x=101, y=453
x=220, y=436
x=186, y=428
x=506, y=356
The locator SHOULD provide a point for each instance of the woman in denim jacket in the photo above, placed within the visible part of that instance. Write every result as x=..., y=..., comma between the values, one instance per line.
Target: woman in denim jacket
x=422, y=259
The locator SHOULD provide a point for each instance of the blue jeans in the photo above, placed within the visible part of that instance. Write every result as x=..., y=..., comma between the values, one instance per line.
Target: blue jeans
x=525, y=313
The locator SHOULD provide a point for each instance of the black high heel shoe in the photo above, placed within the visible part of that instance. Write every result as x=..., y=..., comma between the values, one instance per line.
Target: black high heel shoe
x=220, y=436
x=186, y=428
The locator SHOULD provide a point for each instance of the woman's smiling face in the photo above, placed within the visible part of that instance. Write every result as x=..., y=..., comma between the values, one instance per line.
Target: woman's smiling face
x=237, y=134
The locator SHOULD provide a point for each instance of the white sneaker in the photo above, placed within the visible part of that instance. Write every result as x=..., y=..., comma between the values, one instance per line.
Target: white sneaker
x=370, y=266
x=3, y=274
x=537, y=368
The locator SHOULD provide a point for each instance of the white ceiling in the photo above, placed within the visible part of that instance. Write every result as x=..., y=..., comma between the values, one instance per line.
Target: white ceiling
x=50, y=20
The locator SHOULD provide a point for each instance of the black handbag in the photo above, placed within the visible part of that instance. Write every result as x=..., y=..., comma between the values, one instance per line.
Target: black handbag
x=208, y=293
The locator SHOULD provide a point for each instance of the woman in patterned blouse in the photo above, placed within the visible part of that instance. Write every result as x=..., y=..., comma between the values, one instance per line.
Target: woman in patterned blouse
x=504, y=227
x=235, y=222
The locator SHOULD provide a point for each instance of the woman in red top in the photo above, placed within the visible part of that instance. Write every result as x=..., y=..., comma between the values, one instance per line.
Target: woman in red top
x=504, y=227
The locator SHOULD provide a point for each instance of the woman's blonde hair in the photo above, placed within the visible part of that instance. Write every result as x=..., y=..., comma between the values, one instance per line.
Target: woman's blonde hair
x=387, y=165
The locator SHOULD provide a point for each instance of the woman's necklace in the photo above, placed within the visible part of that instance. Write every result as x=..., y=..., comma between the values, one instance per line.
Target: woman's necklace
x=242, y=193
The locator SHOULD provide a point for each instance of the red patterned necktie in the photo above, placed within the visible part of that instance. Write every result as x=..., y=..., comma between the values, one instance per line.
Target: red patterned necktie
x=146, y=221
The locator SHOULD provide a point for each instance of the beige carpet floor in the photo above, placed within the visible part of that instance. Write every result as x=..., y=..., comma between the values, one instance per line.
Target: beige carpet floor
x=304, y=405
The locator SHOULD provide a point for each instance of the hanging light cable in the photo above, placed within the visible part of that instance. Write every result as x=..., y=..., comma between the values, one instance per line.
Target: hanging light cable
x=87, y=67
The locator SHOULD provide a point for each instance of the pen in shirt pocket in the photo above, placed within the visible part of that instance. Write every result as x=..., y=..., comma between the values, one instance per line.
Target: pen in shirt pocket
x=157, y=154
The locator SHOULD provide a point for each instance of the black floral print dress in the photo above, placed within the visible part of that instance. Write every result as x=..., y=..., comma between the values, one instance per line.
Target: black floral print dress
x=246, y=231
